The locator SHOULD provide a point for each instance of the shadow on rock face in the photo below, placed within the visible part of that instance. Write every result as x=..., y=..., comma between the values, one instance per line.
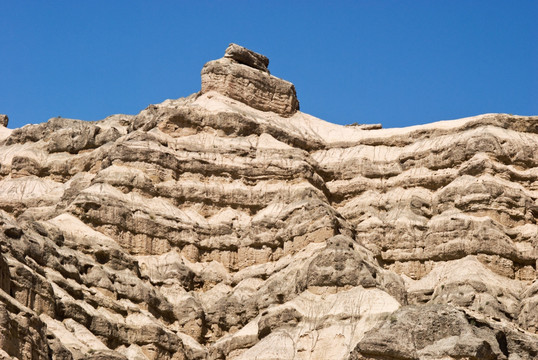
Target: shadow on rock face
x=438, y=331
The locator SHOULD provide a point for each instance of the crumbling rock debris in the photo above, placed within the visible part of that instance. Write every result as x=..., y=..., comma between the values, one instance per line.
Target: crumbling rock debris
x=230, y=225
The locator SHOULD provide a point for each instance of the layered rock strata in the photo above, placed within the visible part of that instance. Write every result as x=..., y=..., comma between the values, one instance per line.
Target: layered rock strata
x=213, y=227
x=243, y=75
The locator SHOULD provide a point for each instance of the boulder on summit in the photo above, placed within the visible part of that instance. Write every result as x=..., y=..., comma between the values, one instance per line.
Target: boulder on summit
x=242, y=75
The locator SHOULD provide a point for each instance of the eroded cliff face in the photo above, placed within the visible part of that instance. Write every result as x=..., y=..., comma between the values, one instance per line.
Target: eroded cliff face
x=229, y=225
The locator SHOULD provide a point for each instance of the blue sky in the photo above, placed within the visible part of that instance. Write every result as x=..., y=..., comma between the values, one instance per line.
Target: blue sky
x=398, y=63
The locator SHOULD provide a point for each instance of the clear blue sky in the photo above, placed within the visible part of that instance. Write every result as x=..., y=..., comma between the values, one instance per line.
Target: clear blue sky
x=397, y=63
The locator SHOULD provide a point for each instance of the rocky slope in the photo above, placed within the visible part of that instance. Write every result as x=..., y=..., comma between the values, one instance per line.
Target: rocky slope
x=229, y=225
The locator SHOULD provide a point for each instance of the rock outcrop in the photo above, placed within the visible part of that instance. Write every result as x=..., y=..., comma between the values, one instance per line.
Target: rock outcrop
x=230, y=225
x=243, y=75
x=247, y=57
x=443, y=332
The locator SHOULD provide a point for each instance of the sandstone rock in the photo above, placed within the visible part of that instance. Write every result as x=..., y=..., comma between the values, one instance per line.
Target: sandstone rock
x=528, y=318
x=434, y=332
x=247, y=57
x=242, y=75
x=4, y=119
x=22, y=333
x=229, y=225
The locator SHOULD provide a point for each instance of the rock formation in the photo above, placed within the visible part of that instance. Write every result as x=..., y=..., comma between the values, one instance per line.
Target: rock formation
x=230, y=225
x=243, y=75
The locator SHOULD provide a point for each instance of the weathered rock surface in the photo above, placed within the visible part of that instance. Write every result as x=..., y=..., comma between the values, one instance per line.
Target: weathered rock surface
x=247, y=57
x=443, y=332
x=229, y=225
x=243, y=75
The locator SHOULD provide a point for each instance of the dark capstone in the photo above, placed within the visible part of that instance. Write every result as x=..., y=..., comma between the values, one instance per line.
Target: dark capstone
x=247, y=57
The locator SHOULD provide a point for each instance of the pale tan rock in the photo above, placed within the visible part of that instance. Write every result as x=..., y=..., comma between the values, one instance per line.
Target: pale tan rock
x=433, y=332
x=228, y=224
x=242, y=75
